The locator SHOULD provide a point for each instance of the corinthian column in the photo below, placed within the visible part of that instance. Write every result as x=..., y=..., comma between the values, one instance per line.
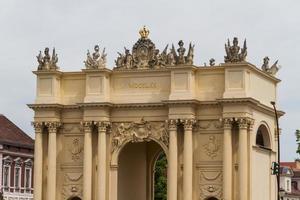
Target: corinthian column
x=51, y=176
x=227, y=159
x=38, y=161
x=87, y=161
x=102, y=126
x=188, y=159
x=243, y=159
x=172, y=161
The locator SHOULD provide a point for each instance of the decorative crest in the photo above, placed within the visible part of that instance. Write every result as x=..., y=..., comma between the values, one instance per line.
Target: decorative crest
x=47, y=62
x=234, y=53
x=96, y=60
x=145, y=55
x=144, y=32
x=270, y=70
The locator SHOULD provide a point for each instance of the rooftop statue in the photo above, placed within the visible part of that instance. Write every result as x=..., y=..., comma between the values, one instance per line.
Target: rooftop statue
x=145, y=55
x=96, y=60
x=47, y=62
x=270, y=70
x=212, y=62
x=181, y=58
x=234, y=53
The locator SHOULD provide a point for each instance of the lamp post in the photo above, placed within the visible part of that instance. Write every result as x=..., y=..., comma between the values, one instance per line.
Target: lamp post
x=278, y=150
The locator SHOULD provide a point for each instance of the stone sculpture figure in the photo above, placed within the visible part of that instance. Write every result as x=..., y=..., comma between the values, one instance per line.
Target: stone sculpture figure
x=97, y=60
x=270, y=70
x=181, y=51
x=181, y=58
x=234, y=53
x=171, y=58
x=47, y=62
x=190, y=56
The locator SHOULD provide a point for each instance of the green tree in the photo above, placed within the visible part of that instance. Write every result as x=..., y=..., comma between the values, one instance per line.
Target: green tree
x=160, y=178
x=297, y=133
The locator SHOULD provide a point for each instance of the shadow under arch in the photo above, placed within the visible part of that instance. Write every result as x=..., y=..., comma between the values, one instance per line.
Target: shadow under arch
x=74, y=198
x=116, y=152
x=135, y=171
x=211, y=198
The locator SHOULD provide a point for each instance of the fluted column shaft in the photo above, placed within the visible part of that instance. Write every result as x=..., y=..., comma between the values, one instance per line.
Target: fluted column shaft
x=87, y=161
x=188, y=160
x=227, y=159
x=51, y=176
x=102, y=160
x=243, y=159
x=172, y=161
x=38, y=161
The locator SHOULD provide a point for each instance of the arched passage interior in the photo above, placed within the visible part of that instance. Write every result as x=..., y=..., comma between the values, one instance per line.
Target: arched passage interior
x=136, y=166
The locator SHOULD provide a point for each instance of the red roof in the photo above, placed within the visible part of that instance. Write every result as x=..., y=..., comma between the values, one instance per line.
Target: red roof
x=288, y=164
x=13, y=135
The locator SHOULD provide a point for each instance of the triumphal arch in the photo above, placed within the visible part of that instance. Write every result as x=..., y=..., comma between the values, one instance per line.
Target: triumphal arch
x=99, y=131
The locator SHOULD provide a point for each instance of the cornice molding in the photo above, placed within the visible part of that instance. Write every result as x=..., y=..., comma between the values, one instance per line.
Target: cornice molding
x=252, y=67
x=252, y=102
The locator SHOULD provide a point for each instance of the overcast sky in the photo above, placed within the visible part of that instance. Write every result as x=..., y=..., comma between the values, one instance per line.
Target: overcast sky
x=272, y=28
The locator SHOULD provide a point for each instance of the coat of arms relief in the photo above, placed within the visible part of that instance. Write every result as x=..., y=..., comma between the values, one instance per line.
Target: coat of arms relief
x=138, y=132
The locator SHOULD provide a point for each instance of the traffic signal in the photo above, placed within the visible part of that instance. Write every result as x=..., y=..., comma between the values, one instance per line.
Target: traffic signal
x=275, y=168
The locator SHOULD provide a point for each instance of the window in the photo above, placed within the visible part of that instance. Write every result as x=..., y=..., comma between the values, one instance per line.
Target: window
x=6, y=177
x=27, y=178
x=262, y=137
x=288, y=185
x=17, y=177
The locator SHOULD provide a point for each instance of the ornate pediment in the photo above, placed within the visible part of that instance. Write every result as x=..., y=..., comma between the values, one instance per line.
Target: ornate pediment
x=144, y=55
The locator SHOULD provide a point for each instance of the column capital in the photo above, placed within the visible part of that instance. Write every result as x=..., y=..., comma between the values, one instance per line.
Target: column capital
x=53, y=126
x=38, y=127
x=245, y=123
x=188, y=123
x=87, y=126
x=227, y=123
x=102, y=125
x=172, y=124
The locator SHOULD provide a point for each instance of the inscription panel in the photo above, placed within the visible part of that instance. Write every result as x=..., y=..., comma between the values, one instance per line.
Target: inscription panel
x=141, y=88
x=144, y=84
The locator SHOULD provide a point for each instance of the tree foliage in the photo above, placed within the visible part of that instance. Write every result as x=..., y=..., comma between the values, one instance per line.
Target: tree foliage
x=160, y=178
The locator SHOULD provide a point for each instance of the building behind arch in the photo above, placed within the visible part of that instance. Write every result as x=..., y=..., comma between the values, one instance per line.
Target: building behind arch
x=16, y=162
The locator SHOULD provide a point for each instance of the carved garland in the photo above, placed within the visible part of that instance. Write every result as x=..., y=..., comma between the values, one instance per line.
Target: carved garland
x=138, y=132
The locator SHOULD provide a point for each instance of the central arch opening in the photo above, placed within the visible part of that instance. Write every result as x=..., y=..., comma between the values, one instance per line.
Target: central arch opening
x=137, y=165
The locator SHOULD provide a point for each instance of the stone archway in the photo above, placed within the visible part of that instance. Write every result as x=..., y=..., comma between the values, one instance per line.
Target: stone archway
x=143, y=135
x=135, y=170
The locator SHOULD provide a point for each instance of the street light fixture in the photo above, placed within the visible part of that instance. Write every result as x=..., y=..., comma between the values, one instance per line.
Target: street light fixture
x=278, y=150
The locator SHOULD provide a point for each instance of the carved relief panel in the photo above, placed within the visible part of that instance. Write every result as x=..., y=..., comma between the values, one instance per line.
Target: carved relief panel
x=72, y=145
x=72, y=185
x=210, y=183
x=208, y=148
